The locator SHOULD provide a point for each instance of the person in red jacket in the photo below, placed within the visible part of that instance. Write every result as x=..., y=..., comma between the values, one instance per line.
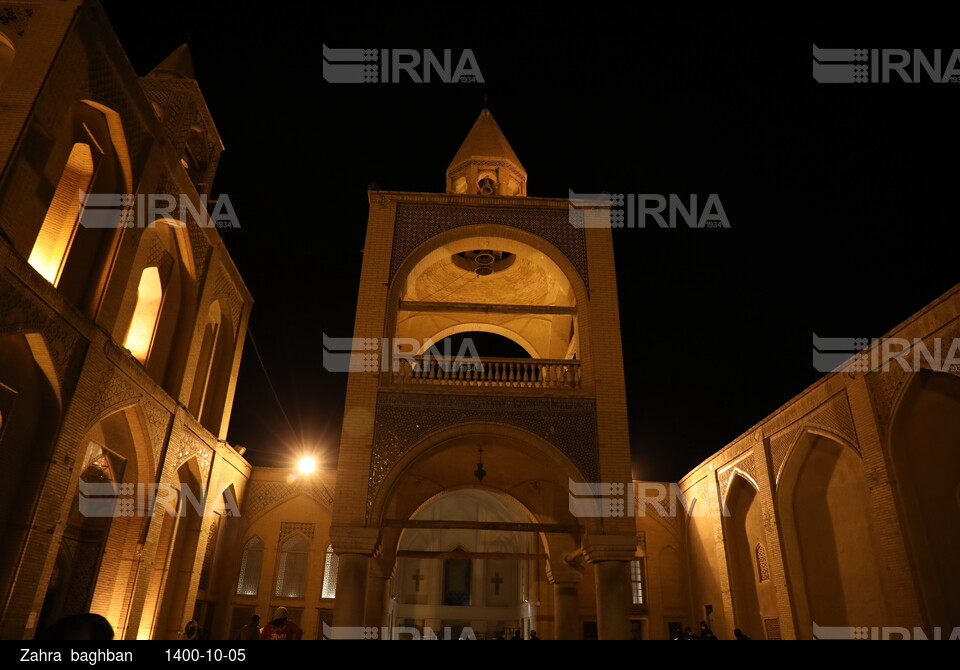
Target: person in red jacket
x=280, y=628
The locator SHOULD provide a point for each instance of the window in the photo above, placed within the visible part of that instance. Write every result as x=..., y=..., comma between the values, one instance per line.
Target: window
x=146, y=314
x=456, y=581
x=763, y=568
x=636, y=580
x=292, y=568
x=52, y=245
x=330, y=564
x=250, y=567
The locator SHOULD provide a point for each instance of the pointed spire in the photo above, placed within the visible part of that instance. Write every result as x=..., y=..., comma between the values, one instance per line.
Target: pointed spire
x=178, y=64
x=487, y=140
x=485, y=151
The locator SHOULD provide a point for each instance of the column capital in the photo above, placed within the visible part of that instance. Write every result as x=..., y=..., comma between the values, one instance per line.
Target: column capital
x=599, y=548
x=561, y=572
x=354, y=540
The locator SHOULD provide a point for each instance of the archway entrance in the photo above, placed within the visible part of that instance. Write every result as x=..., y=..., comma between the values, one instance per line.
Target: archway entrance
x=474, y=576
x=754, y=597
x=828, y=537
x=923, y=445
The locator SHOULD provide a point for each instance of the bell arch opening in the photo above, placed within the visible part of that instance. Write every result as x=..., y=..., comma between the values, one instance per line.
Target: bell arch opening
x=490, y=284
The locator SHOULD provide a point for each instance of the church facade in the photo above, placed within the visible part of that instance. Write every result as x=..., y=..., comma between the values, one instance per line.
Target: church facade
x=481, y=489
x=120, y=332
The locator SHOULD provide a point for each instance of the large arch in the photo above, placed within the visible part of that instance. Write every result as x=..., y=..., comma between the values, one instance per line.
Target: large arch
x=828, y=537
x=30, y=413
x=74, y=247
x=541, y=277
x=176, y=552
x=517, y=462
x=526, y=471
x=211, y=378
x=923, y=446
x=102, y=529
x=754, y=597
x=492, y=594
x=164, y=249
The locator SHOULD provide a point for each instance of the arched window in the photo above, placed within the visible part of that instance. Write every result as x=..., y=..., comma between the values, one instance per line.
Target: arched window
x=763, y=568
x=330, y=564
x=211, y=334
x=249, y=581
x=145, y=315
x=636, y=581
x=60, y=224
x=292, y=568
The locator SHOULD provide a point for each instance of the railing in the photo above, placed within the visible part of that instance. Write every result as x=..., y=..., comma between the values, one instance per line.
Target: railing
x=501, y=372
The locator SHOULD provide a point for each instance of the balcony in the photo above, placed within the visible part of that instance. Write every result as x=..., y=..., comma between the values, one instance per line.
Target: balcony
x=519, y=373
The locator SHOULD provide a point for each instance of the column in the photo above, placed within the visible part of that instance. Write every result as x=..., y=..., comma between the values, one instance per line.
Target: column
x=566, y=599
x=610, y=556
x=378, y=580
x=354, y=548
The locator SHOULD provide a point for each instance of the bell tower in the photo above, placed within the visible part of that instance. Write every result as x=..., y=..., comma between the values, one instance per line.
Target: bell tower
x=485, y=163
x=486, y=339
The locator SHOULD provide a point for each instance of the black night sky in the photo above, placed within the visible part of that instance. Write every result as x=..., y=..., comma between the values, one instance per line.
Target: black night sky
x=841, y=198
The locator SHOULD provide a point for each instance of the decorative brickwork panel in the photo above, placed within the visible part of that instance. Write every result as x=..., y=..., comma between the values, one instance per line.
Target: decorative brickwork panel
x=833, y=415
x=763, y=568
x=746, y=465
x=208, y=553
x=885, y=387
x=772, y=628
x=290, y=527
x=261, y=496
x=22, y=313
x=229, y=297
x=198, y=242
x=402, y=419
x=113, y=392
x=158, y=423
x=416, y=223
x=192, y=446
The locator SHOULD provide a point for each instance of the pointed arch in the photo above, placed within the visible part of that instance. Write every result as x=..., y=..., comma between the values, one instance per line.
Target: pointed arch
x=165, y=256
x=430, y=273
x=251, y=562
x=292, y=560
x=146, y=314
x=53, y=242
x=31, y=405
x=921, y=441
x=74, y=246
x=828, y=537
